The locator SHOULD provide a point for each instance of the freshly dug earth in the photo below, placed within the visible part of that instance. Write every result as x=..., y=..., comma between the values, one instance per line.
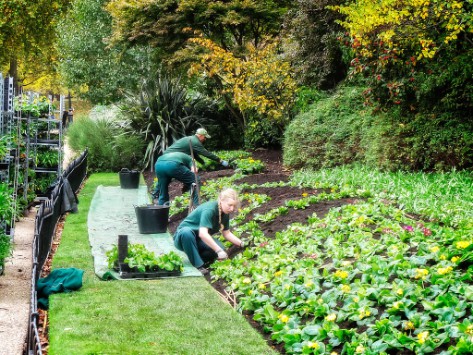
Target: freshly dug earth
x=273, y=172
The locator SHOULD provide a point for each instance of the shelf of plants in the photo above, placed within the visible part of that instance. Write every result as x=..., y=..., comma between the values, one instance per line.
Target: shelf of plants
x=7, y=156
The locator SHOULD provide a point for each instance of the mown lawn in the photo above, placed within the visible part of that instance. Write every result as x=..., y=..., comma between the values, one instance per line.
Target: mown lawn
x=167, y=316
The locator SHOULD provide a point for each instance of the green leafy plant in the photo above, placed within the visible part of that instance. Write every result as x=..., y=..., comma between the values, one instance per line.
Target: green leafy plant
x=7, y=210
x=42, y=182
x=47, y=158
x=142, y=259
x=160, y=112
x=35, y=107
x=5, y=247
x=4, y=140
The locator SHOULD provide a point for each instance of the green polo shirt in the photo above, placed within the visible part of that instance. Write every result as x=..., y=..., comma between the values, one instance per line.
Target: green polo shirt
x=206, y=215
x=177, y=157
x=182, y=145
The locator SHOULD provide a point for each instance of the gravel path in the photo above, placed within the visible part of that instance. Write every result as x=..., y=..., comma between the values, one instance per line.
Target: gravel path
x=15, y=289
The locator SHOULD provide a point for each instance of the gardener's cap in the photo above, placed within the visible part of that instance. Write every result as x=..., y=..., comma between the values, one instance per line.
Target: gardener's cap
x=203, y=132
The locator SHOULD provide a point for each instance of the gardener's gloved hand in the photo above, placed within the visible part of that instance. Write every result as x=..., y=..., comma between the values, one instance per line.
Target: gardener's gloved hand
x=224, y=163
x=221, y=255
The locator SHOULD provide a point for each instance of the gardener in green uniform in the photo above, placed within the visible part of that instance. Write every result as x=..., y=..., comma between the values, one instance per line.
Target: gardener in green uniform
x=174, y=165
x=183, y=145
x=198, y=150
x=194, y=234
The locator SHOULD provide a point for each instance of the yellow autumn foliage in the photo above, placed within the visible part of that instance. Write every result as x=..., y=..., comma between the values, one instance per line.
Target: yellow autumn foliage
x=260, y=82
x=421, y=26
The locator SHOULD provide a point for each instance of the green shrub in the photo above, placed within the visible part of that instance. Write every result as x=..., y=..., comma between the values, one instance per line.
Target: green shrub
x=129, y=152
x=263, y=133
x=339, y=130
x=329, y=134
x=161, y=112
x=109, y=149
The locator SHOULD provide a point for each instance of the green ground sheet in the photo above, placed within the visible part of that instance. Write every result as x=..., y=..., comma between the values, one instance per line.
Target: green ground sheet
x=112, y=213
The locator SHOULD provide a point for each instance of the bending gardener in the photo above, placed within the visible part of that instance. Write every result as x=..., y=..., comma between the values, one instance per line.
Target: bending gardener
x=182, y=145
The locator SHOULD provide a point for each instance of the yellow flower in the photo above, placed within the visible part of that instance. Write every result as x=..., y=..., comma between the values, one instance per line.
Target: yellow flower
x=454, y=259
x=409, y=325
x=313, y=345
x=333, y=353
x=278, y=273
x=283, y=318
x=360, y=349
x=422, y=337
x=421, y=273
x=364, y=314
x=305, y=194
x=444, y=270
x=331, y=317
x=341, y=274
x=442, y=257
x=309, y=284
x=434, y=249
x=400, y=292
x=246, y=280
x=345, y=288
x=262, y=286
x=462, y=244
x=397, y=304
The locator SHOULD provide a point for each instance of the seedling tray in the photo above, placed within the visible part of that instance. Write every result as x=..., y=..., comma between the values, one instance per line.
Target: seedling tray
x=131, y=273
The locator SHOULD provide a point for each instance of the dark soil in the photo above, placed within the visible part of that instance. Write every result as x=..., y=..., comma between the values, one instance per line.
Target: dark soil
x=274, y=172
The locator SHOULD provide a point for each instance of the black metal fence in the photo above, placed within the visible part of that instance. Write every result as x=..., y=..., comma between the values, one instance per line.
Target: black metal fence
x=49, y=212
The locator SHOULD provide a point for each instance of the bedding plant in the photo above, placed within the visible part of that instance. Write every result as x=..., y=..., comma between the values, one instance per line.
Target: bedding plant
x=142, y=259
x=339, y=268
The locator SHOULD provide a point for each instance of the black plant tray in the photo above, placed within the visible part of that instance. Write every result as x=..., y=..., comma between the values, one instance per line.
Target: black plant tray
x=132, y=273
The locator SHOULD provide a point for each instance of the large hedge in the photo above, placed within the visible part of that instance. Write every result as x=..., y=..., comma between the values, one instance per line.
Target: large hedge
x=339, y=130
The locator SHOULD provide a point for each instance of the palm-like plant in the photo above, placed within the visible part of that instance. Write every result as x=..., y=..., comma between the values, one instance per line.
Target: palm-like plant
x=160, y=113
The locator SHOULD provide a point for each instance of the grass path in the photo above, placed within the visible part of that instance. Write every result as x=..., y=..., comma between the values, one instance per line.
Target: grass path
x=167, y=316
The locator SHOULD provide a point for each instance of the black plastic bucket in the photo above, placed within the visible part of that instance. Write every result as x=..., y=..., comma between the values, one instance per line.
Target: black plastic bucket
x=129, y=179
x=152, y=218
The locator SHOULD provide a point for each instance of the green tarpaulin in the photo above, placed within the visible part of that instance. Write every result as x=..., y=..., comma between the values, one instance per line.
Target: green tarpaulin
x=111, y=213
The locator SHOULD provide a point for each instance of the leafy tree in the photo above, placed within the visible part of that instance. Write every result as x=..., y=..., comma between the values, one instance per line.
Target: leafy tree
x=260, y=85
x=311, y=32
x=27, y=37
x=168, y=24
x=90, y=66
x=413, y=51
x=231, y=41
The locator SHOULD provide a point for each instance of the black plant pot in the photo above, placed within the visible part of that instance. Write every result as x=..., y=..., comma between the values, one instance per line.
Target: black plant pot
x=152, y=218
x=129, y=179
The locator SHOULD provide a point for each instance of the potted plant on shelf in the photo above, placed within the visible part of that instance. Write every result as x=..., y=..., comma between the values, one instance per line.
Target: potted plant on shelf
x=5, y=250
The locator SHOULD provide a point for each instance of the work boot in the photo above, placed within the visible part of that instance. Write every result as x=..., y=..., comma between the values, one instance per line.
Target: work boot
x=204, y=271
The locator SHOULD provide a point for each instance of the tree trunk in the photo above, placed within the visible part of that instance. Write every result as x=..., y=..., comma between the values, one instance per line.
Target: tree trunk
x=13, y=72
